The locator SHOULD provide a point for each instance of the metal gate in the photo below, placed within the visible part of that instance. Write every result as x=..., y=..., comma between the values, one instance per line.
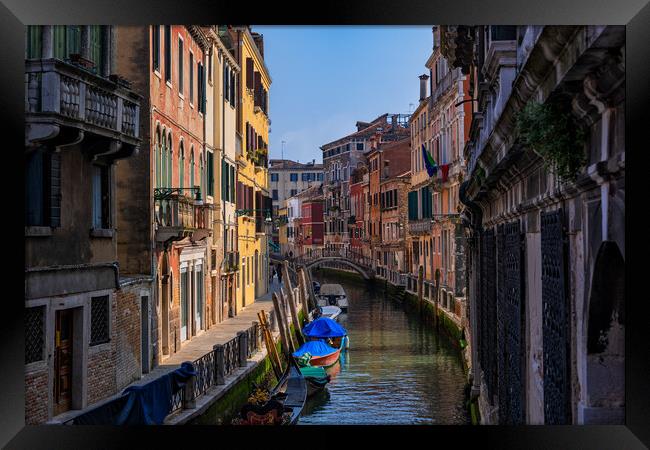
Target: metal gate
x=555, y=319
x=500, y=324
x=513, y=322
x=490, y=318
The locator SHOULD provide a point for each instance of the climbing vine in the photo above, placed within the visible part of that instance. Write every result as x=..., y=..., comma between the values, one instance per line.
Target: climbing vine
x=554, y=134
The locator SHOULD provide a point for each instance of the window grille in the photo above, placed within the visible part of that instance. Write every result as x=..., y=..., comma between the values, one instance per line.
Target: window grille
x=34, y=334
x=99, y=320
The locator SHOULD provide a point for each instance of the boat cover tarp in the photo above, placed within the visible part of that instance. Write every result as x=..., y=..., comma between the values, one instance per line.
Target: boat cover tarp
x=146, y=404
x=324, y=327
x=315, y=348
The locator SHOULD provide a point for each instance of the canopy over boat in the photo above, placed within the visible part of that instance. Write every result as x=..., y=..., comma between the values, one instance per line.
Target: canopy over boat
x=324, y=327
x=331, y=289
x=314, y=348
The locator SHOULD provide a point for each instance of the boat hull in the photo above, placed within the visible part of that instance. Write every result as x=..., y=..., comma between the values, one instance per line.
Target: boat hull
x=326, y=360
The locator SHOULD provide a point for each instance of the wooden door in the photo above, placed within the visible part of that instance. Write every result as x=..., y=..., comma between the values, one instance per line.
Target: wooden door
x=63, y=361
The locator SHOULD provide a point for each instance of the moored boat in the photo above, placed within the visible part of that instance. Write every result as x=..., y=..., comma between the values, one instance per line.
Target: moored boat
x=317, y=353
x=317, y=378
x=331, y=312
x=333, y=295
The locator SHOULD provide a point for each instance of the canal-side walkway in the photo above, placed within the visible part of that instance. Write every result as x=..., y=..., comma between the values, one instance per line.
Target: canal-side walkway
x=197, y=347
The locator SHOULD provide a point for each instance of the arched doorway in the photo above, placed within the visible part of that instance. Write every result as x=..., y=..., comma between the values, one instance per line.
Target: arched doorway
x=606, y=339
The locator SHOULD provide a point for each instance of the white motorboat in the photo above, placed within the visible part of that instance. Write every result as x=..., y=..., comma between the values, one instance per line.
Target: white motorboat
x=332, y=295
x=330, y=311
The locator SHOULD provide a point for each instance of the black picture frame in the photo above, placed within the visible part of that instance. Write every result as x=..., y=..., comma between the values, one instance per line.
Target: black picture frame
x=635, y=14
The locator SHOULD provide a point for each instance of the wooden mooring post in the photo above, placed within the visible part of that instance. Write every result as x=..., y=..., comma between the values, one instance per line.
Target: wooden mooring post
x=281, y=324
x=270, y=345
x=421, y=288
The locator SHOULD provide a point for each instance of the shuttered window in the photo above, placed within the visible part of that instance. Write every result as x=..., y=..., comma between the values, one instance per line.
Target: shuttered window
x=232, y=183
x=258, y=89
x=155, y=54
x=101, y=197
x=250, y=84
x=43, y=189
x=168, y=53
x=233, y=85
x=413, y=205
x=34, y=41
x=210, y=173
x=226, y=82
x=180, y=66
x=191, y=78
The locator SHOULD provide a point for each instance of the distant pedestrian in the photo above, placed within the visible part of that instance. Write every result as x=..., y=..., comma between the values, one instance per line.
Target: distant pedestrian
x=279, y=272
x=271, y=274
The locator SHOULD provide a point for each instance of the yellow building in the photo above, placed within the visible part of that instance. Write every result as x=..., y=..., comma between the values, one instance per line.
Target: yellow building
x=253, y=199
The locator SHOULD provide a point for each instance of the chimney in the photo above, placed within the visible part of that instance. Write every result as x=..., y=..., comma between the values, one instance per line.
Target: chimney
x=423, y=86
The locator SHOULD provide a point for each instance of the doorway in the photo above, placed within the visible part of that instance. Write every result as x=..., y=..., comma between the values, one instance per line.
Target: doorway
x=184, y=303
x=63, y=360
x=198, y=309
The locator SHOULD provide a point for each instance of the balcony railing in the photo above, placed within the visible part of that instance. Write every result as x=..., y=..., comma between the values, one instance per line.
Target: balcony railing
x=72, y=96
x=422, y=226
x=178, y=213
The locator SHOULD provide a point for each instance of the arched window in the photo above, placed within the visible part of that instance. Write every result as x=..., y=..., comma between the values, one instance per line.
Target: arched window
x=170, y=161
x=192, y=166
x=181, y=165
x=163, y=163
x=156, y=156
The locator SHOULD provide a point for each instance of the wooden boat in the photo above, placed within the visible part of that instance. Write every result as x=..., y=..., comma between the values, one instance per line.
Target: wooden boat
x=334, y=295
x=316, y=377
x=326, y=360
x=287, y=400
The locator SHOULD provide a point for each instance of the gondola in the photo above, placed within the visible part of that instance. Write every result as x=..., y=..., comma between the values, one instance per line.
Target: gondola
x=286, y=402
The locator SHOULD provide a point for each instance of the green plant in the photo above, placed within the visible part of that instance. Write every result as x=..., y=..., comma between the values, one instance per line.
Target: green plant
x=554, y=134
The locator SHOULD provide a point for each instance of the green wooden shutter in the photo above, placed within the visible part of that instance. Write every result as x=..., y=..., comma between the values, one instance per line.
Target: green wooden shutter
x=59, y=42
x=73, y=39
x=210, y=173
x=34, y=41
x=96, y=54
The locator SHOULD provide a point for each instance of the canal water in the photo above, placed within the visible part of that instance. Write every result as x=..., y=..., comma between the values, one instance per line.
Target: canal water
x=397, y=370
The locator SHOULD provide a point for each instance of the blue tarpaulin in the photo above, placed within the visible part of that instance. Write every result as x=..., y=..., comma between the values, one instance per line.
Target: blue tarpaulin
x=324, y=327
x=147, y=404
x=315, y=348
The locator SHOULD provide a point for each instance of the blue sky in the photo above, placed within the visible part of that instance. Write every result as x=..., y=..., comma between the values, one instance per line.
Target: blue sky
x=325, y=78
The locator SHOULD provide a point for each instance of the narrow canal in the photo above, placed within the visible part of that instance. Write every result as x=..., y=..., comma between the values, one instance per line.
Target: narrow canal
x=397, y=370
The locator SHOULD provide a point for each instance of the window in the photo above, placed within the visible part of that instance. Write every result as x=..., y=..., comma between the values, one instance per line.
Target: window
x=191, y=78
x=249, y=73
x=210, y=173
x=319, y=176
x=274, y=177
x=304, y=176
x=232, y=183
x=293, y=177
x=233, y=84
x=192, y=167
x=200, y=72
x=294, y=192
x=43, y=189
x=96, y=46
x=168, y=53
x=359, y=145
x=34, y=334
x=99, y=320
x=156, y=47
x=275, y=194
x=34, y=41
x=181, y=164
x=180, y=66
x=101, y=197
x=226, y=82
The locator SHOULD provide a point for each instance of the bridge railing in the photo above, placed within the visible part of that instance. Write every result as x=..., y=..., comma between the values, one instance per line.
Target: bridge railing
x=345, y=253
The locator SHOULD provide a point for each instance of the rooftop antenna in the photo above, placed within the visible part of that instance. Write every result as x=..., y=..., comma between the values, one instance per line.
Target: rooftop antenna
x=283, y=142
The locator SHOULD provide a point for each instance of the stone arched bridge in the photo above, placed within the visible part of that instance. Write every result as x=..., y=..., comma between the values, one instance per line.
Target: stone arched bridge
x=323, y=257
